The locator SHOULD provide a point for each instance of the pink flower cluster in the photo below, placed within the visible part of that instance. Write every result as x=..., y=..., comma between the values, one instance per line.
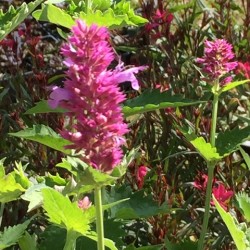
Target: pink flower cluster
x=216, y=60
x=91, y=96
x=219, y=191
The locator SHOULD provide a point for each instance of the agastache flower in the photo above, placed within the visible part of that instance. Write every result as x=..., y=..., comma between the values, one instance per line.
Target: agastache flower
x=91, y=96
x=216, y=60
x=140, y=174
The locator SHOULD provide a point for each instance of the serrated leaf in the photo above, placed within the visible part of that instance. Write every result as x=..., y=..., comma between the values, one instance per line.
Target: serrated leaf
x=238, y=236
x=10, y=190
x=34, y=196
x=50, y=13
x=244, y=204
x=228, y=141
x=11, y=235
x=27, y=242
x=232, y=85
x=44, y=135
x=52, y=180
x=13, y=17
x=20, y=176
x=151, y=100
x=43, y=107
x=63, y=213
x=92, y=177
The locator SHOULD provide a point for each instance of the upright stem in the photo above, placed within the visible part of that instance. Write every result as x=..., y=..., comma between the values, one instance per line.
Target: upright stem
x=71, y=240
x=211, y=166
x=207, y=204
x=99, y=219
x=214, y=119
x=1, y=212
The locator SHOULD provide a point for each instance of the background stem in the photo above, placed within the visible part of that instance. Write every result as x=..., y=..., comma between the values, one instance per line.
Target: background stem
x=99, y=219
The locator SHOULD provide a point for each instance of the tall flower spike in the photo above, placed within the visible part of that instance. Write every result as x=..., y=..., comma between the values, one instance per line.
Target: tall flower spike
x=216, y=60
x=91, y=96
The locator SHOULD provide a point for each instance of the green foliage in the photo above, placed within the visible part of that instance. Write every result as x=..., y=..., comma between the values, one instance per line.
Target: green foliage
x=11, y=235
x=34, y=196
x=155, y=247
x=50, y=13
x=27, y=242
x=232, y=85
x=43, y=107
x=245, y=156
x=228, y=141
x=138, y=206
x=234, y=227
x=44, y=135
x=10, y=190
x=63, y=213
x=13, y=17
x=244, y=204
x=151, y=100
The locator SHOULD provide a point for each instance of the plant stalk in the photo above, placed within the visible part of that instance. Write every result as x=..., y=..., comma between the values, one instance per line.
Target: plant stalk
x=211, y=166
x=71, y=240
x=1, y=212
x=99, y=219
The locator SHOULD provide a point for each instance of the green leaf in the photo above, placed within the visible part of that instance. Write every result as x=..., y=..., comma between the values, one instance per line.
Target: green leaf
x=44, y=135
x=238, y=235
x=52, y=180
x=27, y=242
x=151, y=100
x=11, y=235
x=108, y=243
x=232, y=85
x=50, y=13
x=43, y=107
x=12, y=18
x=34, y=196
x=228, y=141
x=2, y=169
x=138, y=206
x=20, y=176
x=10, y=190
x=63, y=213
x=92, y=178
x=246, y=157
x=244, y=204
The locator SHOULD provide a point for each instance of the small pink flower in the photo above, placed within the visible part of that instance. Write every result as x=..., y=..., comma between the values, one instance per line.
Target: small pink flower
x=244, y=69
x=85, y=203
x=216, y=60
x=140, y=174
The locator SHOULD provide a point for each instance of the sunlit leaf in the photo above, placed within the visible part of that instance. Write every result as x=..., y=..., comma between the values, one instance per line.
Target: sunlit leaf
x=232, y=85
x=238, y=235
x=63, y=213
x=27, y=242
x=151, y=100
x=44, y=135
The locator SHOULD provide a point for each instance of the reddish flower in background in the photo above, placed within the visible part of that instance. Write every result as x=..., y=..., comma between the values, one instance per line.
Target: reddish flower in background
x=244, y=69
x=219, y=191
x=222, y=195
x=140, y=174
x=92, y=97
x=216, y=60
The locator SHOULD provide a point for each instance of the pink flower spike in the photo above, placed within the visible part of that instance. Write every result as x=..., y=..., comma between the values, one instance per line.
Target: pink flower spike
x=85, y=203
x=92, y=97
x=140, y=174
x=216, y=60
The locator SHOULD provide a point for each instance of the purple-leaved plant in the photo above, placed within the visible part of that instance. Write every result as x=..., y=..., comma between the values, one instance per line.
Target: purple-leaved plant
x=216, y=61
x=92, y=97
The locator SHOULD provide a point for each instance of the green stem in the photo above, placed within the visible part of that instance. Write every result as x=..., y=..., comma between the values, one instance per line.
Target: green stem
x=214, y=119
x=71, y=240
x=207, y=204
x=99, y=219
x=1, y=212
x=211, y=166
